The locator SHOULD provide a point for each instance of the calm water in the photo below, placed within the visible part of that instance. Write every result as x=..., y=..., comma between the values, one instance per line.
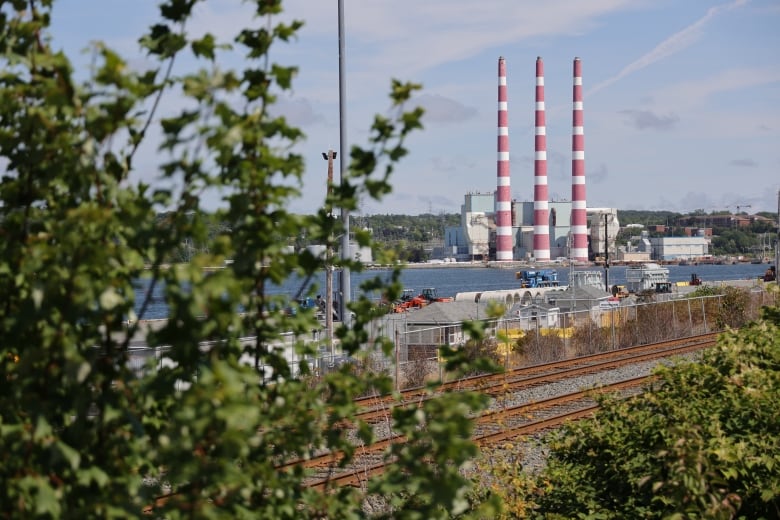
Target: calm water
x=452, y=280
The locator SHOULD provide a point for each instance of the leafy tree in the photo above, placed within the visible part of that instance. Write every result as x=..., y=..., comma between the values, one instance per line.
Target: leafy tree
x=701, y=444
x=81, y=435
x=646, y=217
x=396, y=234
x=733, y=241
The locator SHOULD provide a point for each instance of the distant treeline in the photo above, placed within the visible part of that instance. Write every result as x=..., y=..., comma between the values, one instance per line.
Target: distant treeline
x=411, y=237
x=671, y=218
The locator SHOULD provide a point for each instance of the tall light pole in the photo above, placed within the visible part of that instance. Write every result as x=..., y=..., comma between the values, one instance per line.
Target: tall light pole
x=330, y=156
x=606, y=253
x=345, y=255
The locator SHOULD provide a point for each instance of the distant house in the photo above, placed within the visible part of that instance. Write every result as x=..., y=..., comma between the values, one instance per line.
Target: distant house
x=537, y=314
x=697, y=232
x=441, y=323
x=578, y=299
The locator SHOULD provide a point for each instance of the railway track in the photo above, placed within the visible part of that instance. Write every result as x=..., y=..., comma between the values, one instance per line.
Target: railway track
x=498, y=423
x=377, y=408
x=492, y=427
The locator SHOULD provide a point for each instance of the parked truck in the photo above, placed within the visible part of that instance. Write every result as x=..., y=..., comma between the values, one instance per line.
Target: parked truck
x=538, y=278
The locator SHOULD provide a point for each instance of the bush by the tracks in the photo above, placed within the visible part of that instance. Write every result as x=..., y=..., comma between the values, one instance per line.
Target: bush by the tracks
x=702, y=444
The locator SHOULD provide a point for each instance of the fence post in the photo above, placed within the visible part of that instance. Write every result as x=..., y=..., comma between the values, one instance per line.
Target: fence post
x=506, y=344
x=656, y=303
x=704, y=315
x=397, y=357
x=441, y=367
x=690, y=317
x=612, y=320
x=438, y=353
x=590, y=330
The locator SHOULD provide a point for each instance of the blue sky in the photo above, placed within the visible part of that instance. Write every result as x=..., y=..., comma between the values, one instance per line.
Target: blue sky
x=682, y=97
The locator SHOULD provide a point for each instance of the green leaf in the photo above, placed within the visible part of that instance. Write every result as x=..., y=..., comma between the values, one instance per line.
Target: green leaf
x=110, y=299
x=204, y=47
x=177, y=10
x=71, y=456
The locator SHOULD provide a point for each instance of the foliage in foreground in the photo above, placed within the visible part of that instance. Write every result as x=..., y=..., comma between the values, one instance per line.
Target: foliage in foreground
x=703, y=444
x=81, y=434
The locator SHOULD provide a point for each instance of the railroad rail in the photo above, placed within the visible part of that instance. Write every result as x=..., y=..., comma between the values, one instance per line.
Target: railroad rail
x=380, y=407
x=372, y=459
x=493, y=427
x=369, y=459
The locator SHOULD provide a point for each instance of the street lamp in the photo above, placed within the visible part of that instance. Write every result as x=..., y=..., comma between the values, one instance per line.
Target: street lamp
x=345, y=280
x=330, y=156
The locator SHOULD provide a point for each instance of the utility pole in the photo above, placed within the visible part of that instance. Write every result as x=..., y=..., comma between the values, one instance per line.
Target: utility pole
x=330, y=156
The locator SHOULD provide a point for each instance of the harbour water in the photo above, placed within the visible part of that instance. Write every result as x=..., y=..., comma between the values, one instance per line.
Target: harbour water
x=451, y=280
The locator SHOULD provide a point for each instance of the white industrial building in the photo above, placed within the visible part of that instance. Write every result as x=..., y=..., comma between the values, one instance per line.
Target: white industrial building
x=664, y=249
x=559, y=228
x=475, y=237
x=678, y=248
x=471, y=239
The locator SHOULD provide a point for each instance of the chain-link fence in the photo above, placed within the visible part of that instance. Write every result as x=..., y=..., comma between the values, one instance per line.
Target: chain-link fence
x=510, y=341
x=514, y=342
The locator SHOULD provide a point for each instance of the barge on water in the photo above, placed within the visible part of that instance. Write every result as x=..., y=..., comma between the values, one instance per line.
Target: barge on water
x=646, y=277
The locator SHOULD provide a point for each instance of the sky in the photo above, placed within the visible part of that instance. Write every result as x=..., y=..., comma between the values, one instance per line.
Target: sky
x=681, y=97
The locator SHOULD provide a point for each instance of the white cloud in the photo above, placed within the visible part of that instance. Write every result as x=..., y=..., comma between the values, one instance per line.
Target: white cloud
x=727, y=109
x=440, y=109
x=297, y=111
x=406, y=37
x=670, y=46
x=644, y=119
x=695, y=93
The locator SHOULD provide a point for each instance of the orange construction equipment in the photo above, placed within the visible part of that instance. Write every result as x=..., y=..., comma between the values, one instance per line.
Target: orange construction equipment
x=409, y=302
x=431, y=295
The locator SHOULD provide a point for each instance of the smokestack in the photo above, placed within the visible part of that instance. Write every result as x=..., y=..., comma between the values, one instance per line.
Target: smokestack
x=579, y=218
x=541, y=211
x=503, y=202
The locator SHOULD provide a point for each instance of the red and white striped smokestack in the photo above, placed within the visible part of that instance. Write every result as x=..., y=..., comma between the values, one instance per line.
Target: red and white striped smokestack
x=541, y=209
x=503, y=202
x=579, y=218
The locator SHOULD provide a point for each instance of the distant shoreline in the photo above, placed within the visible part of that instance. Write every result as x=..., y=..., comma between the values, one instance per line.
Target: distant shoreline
x=464, y=265
x=509, y=265
x=479, y=265
x=516, y=264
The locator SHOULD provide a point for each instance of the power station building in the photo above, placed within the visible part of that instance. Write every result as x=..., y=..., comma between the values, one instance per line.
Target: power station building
x=475, y=237
x=494, y=228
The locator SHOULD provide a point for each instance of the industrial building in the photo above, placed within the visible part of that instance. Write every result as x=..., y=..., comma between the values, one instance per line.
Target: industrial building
x=494, y=228
x=678, y=248
x=474, y=238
